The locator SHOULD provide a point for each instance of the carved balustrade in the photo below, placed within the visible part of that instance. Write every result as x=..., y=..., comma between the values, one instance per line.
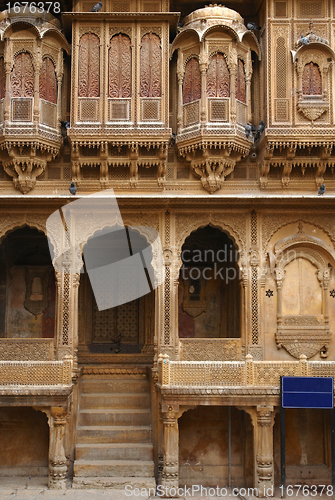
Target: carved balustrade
x=36, y=373
x=221, y=374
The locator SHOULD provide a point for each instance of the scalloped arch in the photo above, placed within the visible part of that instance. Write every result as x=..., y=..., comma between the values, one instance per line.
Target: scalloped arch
x=295, y=221
x=209, y=221
x=18, y=224
x=314, y=45
x=5, y=33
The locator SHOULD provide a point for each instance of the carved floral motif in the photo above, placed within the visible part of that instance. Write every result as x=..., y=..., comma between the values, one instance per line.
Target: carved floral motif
x=218, y=77
x=240, y=85
x=311, y=80
x=2, y=78
x=119, y=65
x=151, y=66
x=89, y=66
x=48, y=83
x=192, y=81
x=22, y=77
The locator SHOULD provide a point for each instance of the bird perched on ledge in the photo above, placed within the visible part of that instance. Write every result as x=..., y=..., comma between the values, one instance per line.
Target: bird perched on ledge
x=72, y=188
x=97, y=7
x=248, y=129
x=322, y=190
x=304, y=40
x=253, y=27
x=260, y=130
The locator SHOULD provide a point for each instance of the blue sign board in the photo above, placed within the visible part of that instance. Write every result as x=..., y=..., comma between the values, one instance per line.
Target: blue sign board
x=308, y=392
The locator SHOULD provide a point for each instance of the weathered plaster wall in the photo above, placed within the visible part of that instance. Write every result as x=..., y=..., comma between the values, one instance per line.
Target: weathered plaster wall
x=24, y=437
x=20, y=322
x=308, y=455
x=203, y=447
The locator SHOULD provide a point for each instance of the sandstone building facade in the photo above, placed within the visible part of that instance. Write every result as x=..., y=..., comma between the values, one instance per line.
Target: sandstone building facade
x=180, y=386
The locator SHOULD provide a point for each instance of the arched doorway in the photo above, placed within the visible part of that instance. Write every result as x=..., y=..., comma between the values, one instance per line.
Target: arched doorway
x=209, y=286
x=128, y=328
x=27, y=286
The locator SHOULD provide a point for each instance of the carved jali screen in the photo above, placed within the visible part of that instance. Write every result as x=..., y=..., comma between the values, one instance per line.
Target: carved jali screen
x=119, y=65
x=22, y=76
x=2, y=78
x=217, y=77
x=151, y=66
x=240, y=91
x=48, y=83
x=192, y=81
x=122, y=321
x=89, y=66
x=311, y=80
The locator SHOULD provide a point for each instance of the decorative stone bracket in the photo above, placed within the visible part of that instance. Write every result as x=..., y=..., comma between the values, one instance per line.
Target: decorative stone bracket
x=213, y=169
x=25, y=165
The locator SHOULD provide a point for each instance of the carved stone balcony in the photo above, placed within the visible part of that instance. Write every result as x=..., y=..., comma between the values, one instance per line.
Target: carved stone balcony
x=214, y=71
x=31, y=68
x=247, y=377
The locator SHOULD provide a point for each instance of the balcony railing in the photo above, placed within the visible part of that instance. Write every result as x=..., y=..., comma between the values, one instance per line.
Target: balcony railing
x=220, y=374
x=36, y=373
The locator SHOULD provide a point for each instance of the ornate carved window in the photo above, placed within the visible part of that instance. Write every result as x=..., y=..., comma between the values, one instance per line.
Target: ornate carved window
x=48, y=83
x=151, y=66
x=22, y=77
x=2, y=78
x=218, y=77
x=89, y=66
x=192, y=81
x=311, y=80
x=240, y=87
x=119, y=65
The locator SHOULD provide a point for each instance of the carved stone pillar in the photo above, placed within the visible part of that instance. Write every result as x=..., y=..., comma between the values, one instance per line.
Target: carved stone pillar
x=37, y=67
x=232, y=93
x=169, y=479
x=66, y=338
x=180, y=76
x=8, y=66
x=279, y=277
x=263, y=439
x=203, y=71
x=57, y=460
x=60, y=75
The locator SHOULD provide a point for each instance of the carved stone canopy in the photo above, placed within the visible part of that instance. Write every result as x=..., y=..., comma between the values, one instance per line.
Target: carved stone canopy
x=299, y=331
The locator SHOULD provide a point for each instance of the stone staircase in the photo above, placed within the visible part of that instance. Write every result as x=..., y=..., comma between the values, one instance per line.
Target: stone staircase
x=114, y=445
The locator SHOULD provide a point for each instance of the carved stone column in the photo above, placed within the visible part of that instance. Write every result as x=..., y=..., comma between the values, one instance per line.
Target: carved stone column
x=169, y=479
x=232, y=88
x=60, y=74
x=203, y=70
x=263, y=439
x=37, y=67
x=180, y=76
x=66, y=338
x=57, y=460
x=8, y=67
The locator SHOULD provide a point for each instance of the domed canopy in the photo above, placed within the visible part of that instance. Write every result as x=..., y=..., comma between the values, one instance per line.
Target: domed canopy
x=213, y=11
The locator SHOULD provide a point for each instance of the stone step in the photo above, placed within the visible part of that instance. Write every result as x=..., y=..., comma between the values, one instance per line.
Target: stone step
x=134, y=417
x=116, y=483
x=116, y=468
x=113, y=434
x=111, y=401
x=114, y=451
x=111, y=386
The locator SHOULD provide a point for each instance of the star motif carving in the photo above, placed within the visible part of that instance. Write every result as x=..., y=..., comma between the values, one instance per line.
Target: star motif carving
x=332, y=294
x=269, y=293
